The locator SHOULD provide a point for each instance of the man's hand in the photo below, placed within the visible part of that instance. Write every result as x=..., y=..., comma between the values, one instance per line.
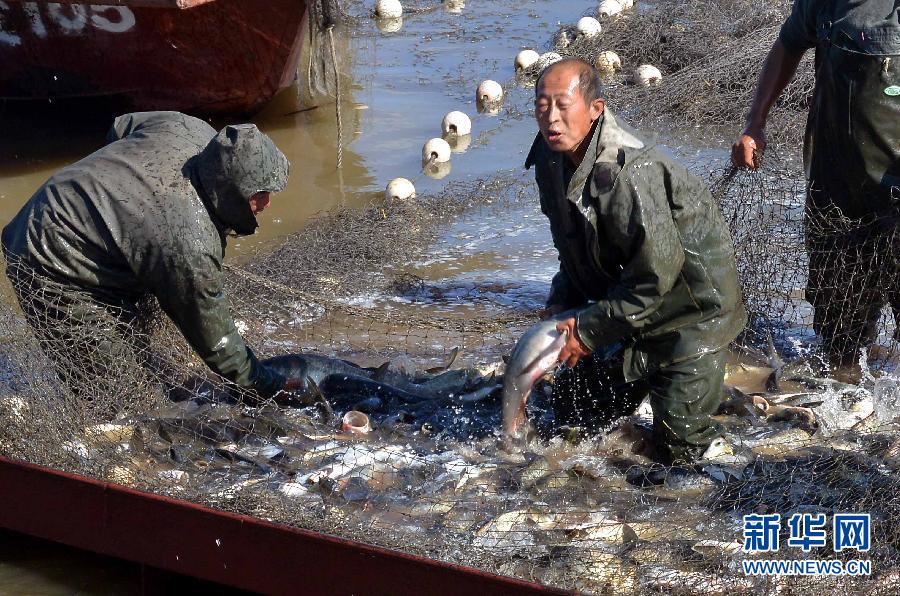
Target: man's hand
x=574, y=350
x=550, y=311
x=748, y=149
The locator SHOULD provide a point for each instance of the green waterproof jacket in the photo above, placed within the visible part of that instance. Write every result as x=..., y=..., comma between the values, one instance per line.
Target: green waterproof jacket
x=643, y=244
x=149, y=213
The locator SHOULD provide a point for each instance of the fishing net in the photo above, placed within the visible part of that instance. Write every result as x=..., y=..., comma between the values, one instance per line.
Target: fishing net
x=112, y=391
x=674, y=34
x=319, y=67
x=710, y=54
x=811, y=271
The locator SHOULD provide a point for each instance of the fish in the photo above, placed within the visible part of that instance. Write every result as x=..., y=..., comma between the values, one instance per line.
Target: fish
x=318, y=368
x=599, y=572
x=347, y=383
x=777, y=365
x=109, y=433
x=659, y=578
x=536, y=352
x=777, y=442
x=804, y=418
x=445, y=367
x=522, y=528
x=348, y=389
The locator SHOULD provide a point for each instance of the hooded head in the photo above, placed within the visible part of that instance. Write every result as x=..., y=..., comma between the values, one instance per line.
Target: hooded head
x=237, y=163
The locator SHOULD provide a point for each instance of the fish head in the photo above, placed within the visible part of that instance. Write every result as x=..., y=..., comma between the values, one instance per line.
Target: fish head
x=717, y=448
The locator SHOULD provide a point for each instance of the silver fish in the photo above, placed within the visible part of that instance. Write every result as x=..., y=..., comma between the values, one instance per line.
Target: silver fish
x=536, y=352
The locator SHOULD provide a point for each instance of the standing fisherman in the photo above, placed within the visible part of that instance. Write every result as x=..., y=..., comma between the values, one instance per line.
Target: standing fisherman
x=146, y=214
x=852, y=157
x=644, y=251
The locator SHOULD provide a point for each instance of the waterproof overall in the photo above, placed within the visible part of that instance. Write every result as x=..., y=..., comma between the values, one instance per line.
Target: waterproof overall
x=644, y=249
x=146, y=215
x=852, y=159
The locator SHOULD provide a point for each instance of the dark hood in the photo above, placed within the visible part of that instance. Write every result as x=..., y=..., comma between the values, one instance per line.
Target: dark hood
x=239, y=162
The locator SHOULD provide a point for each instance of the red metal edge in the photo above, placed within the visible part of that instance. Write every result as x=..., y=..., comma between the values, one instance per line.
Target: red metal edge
x=231, y=549
x=182, y=4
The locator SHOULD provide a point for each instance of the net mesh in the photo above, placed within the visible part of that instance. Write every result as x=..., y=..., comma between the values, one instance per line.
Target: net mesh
x=113, y=391
x=808, y=269
x=710, y=54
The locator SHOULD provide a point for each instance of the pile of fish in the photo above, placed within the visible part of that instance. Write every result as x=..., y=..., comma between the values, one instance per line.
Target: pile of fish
x=433, y=473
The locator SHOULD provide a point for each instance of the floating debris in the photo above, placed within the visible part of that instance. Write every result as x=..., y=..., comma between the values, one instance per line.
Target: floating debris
x=454, y=6
x=356, y=423
x=563, y=38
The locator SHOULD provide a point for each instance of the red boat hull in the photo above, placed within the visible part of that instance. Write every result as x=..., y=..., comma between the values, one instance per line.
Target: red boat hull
x=231, y=549
x=197, y=56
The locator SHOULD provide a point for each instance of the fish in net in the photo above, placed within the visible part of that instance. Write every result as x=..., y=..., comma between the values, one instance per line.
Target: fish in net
x=591, y=513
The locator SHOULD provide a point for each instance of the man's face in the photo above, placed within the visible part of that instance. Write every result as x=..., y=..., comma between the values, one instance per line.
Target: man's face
x=563, y=116
x=258, y=202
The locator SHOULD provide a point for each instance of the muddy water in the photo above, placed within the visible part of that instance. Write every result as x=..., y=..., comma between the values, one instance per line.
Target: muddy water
x=402, y=85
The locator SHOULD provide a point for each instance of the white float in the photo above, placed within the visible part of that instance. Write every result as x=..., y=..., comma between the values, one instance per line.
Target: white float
x=608, y=62
x=489, y=92
x=457, y=123
x=388, y=9
x=436, y=150
x=588, y=26
x=647, y=75
x=526, y=58
x=609, y=8
x=400, y=189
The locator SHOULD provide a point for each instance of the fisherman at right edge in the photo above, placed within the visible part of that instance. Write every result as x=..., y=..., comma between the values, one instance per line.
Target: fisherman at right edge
x=647, y=259
x=851, y=153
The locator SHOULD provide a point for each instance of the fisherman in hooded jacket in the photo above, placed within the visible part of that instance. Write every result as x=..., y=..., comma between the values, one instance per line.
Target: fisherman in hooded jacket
x=647, y=258
x=149, y=214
